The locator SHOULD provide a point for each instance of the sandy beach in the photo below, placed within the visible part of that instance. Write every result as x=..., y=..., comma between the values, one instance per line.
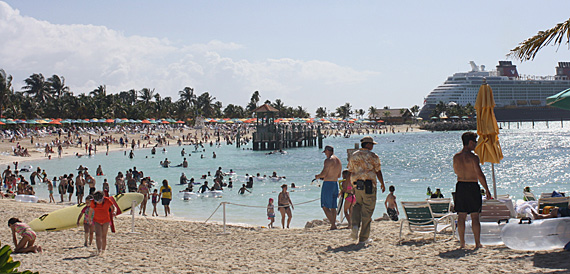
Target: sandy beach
x=173, y=246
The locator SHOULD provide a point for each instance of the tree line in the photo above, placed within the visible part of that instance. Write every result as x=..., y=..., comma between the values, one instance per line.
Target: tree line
x=50, y=97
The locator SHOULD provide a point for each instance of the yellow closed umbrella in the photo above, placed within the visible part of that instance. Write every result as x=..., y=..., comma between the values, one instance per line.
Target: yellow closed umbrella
x=488, y=148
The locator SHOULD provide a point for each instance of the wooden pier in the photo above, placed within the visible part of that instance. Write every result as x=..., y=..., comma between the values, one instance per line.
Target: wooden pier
x=272, y=136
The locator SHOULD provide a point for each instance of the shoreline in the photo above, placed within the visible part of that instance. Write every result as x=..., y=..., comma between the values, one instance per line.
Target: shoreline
x=175, y=246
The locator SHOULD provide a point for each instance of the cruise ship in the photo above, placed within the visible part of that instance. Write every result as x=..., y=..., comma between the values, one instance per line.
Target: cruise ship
x=517, y=97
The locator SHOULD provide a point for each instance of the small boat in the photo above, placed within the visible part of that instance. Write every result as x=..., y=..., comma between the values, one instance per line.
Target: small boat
x=26, y=168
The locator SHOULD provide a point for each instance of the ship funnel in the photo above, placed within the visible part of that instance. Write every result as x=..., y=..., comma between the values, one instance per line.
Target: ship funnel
x=473, y=66
x=506, y=68
x=563, y=70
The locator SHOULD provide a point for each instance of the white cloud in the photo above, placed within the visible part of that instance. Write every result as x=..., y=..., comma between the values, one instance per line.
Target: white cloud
x=88, y=56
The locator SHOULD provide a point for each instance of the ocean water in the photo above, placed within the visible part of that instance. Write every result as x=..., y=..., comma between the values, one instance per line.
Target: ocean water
x=536, y=156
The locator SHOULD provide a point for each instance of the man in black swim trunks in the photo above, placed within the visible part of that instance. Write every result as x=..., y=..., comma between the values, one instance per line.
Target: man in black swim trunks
x=467, y=195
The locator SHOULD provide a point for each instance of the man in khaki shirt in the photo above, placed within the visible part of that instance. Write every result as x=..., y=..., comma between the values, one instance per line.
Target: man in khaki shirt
x=364, y=167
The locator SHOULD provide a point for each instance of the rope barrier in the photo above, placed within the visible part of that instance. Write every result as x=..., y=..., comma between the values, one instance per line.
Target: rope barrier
x=224, y=217
x=213, y=213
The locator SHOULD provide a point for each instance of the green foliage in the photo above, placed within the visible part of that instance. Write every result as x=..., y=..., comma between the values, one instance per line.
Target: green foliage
x=7, y=265
x=453, y=110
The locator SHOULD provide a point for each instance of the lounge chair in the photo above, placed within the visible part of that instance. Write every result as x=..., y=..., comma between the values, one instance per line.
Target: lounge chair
x=553, y=201
x=494, y=210
x=440, y=206
x=528, y=196
x=420, y=218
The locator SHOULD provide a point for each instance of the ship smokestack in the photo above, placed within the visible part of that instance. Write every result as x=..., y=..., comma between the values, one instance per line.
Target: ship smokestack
x=563, y=71
x=506, y=68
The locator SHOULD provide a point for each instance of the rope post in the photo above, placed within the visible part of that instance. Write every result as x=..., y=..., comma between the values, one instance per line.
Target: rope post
x=133, y=207
x=224, y=210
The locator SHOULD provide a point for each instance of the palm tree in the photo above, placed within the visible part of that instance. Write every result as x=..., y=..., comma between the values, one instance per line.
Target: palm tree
x=234, y=111
x=528, y=49
x=344, y=111
x=279, y=105
x=321, y=112
x=146, y=95
x=415, y=110
x=440, y=108
x=36, y=85
x=253, y=102
x=99, y=92
x=6, y=90
x=372, y=112
x=188, y=97
x=205, y=104
x=387, y=114
x=57, y=85
x=301, y=112
x=360, y=113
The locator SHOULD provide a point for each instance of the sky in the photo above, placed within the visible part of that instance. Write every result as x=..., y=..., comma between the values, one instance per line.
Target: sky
x=306, y=53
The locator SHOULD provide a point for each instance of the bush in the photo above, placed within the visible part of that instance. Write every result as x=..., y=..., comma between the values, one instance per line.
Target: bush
x=7, y=265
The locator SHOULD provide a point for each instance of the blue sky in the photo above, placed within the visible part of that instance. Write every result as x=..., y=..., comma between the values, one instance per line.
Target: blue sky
x=309, y=53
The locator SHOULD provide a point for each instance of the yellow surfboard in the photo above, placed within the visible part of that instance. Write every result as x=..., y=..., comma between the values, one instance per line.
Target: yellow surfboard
x=67, y=217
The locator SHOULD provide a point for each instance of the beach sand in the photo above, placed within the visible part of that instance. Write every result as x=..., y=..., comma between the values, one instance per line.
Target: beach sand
x=163, y=245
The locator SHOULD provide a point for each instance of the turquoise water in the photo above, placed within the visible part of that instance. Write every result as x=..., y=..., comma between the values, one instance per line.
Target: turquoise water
x=537, y=157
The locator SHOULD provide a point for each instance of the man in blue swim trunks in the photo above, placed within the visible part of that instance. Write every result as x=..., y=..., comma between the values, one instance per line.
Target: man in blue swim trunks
x=329, y=191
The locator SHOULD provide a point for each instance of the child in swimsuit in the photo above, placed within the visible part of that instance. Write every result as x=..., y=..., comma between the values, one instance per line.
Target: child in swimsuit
x=154, y=202
x=50, y=189
x=349, y=199
x=391, y=205
x=26, y=244
x=270, y=213
x=88, y=225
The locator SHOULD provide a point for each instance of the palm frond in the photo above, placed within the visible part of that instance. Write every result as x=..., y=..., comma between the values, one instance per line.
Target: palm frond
x=528, y=49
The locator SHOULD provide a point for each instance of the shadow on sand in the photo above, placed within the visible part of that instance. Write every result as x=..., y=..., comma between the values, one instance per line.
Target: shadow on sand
x=457, y=253
x=347, y=248
x=553, y=260
x=79, y=257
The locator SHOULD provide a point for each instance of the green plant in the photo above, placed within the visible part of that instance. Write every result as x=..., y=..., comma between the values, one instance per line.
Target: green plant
x=7, y=264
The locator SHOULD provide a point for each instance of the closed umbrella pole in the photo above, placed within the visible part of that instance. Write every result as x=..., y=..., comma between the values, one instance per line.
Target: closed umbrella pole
x=488, y=148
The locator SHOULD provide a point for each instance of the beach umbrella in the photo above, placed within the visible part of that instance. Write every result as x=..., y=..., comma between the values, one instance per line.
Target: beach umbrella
x=2, y=123
x=560, y=100
x=54, y=122
x=180, y=122
x=109, y=121
x=145, y=121
x=488, y=147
